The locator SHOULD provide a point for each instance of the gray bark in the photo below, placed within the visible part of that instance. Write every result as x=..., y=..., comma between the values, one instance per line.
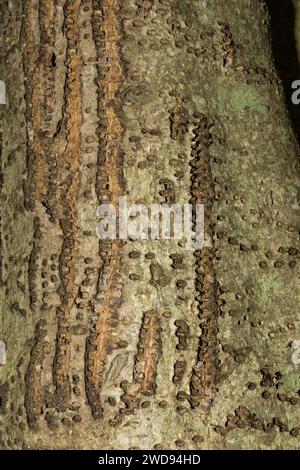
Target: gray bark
x=144, y=344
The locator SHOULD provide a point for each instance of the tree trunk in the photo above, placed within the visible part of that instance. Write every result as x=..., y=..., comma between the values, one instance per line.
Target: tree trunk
x=142, y=343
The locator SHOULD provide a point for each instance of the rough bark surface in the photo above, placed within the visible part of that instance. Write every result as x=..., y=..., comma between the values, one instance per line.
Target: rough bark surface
x=144, y=344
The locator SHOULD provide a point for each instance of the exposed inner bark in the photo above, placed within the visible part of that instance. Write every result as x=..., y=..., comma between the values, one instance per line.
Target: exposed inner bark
x=144, y=343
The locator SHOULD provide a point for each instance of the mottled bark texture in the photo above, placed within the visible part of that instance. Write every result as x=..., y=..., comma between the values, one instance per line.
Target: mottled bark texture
x=144, y=344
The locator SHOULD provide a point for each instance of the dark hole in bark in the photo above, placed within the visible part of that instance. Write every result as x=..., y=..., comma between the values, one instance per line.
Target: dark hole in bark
x=283, y=17
x=4, y=388
x=53, y=60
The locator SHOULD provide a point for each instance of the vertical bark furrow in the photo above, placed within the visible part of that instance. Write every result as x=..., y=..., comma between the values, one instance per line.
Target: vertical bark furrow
x=39, y=94
x=1, y=222
x=47, y=62
x=29, y=61
x=109, y=186
x=39, y=98
x=67, y=204
x=33, y=397
x=205, y=371
x=149, y=349
x=182, y=333
x=33, y=265
x=171, y=348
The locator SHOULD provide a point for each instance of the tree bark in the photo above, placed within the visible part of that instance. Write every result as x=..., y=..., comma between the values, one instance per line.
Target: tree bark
x=144, y=344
